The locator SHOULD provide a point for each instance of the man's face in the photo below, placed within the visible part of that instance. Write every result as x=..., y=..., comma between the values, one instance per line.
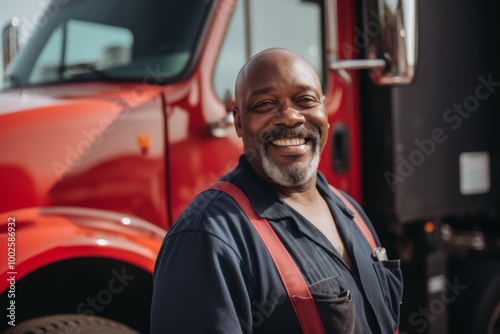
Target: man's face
x=281, y=118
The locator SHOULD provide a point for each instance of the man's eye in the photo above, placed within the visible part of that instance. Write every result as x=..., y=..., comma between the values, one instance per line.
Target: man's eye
x=307, y=100
x=261, y=107
x=263, y=104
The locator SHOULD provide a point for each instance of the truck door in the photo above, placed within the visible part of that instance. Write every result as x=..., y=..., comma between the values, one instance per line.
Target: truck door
x=300, y=25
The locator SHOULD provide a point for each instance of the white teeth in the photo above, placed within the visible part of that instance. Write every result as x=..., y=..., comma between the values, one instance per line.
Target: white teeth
x=289, y=141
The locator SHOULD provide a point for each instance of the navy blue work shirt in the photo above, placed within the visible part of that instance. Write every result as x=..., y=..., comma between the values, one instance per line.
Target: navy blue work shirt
x=214, y=275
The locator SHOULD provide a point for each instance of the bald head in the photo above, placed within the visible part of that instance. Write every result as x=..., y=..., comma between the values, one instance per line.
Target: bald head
x=279, y=113
x=281, y=62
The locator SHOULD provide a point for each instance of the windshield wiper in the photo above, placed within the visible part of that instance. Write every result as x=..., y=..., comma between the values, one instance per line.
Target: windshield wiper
x=88, y=67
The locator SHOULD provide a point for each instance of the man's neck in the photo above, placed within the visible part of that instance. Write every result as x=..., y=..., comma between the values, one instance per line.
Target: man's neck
x=304, y=194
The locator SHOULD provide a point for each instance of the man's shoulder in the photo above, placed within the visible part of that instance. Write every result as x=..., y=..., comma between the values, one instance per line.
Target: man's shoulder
x=212, y=212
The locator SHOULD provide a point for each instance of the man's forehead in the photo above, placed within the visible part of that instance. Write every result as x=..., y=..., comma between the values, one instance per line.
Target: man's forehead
x=281, y=61
x=275, y=68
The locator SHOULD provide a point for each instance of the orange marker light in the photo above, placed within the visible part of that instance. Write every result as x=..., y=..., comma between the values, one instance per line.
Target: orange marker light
x=429, y=227
x=144, y=142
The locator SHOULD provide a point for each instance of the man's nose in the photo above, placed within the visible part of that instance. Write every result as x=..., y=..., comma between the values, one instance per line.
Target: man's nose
x=289, y=116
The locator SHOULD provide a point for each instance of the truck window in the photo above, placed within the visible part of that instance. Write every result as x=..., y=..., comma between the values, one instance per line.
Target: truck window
x=271, y=24
x=117, y=40
x=111, y=47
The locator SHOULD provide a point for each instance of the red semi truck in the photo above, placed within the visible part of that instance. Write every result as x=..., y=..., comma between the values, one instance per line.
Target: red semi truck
x=114, y=116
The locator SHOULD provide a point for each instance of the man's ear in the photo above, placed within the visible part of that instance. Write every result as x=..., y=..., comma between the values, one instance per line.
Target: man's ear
x=237, y=120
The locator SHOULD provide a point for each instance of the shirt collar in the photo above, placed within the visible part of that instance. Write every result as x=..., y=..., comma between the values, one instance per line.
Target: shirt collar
x=265, y=200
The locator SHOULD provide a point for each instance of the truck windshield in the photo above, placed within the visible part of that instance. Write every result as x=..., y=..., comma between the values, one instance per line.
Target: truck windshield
x=111, y=40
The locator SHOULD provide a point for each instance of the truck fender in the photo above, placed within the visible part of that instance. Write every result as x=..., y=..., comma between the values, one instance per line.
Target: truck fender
x=38, y=237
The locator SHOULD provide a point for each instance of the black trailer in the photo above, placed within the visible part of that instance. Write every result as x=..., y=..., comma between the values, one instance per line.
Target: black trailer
x=431, y=162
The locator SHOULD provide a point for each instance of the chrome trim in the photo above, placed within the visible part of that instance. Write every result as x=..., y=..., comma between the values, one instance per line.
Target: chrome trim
x=390, y=29
x=358, y=64
x=331, y=30
x=397, y=41
x=10, y=41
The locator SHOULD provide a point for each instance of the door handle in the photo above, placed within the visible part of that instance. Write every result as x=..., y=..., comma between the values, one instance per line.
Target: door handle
x=340, y=149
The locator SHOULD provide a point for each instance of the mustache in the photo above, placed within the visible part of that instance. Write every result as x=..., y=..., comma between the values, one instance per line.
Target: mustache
x=286, y=132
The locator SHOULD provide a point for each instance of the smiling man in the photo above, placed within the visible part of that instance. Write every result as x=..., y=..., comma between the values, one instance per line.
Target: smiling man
x=214, y=273
x=280, y=114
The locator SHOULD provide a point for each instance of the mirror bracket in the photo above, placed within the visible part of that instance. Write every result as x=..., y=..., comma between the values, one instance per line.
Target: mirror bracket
x=358, y=64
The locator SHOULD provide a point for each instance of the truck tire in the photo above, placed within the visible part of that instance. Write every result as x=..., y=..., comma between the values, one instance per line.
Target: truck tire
x=70, y=323
x=478, y=310
x=494, y=323
x=488, y=319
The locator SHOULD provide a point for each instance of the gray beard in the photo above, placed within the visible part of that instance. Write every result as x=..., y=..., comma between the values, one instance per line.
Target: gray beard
x=292, y=176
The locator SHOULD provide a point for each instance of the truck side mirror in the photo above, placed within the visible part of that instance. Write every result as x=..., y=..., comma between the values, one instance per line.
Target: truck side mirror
x=220, y=128
x=10, y=41
x=389, y=39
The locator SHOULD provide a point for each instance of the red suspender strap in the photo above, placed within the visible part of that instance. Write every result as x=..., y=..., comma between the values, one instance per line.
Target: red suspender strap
x=292, y=279
x=357, y=219
x=359, y=222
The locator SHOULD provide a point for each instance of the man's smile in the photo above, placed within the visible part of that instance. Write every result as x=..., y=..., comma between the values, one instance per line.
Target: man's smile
x=291, y=147
x=289, y=141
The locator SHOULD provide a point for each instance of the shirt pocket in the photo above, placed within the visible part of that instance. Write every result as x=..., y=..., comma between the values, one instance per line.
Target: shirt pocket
x=391, y=281
x=336, y=306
